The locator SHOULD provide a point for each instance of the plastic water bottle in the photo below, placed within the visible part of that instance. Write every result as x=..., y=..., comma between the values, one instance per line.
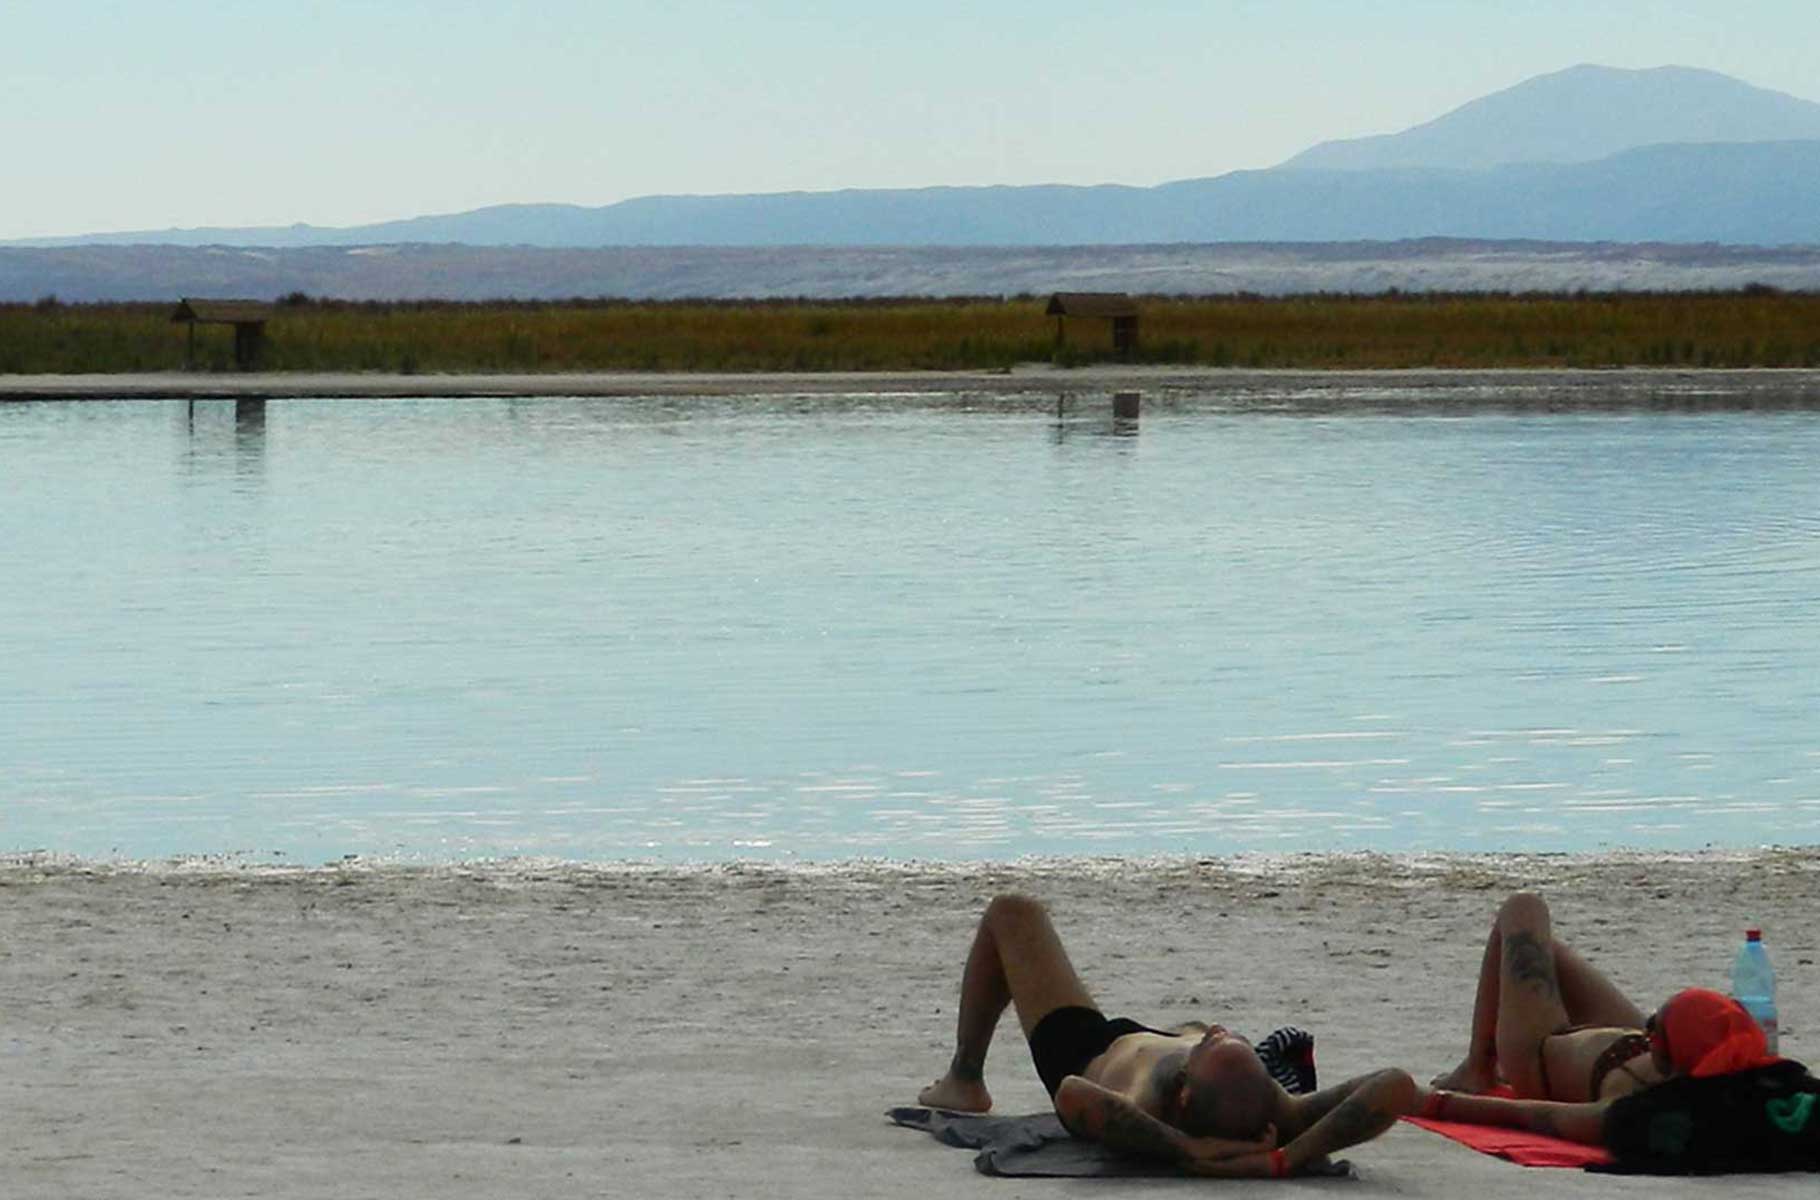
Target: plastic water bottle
x=1754, y=984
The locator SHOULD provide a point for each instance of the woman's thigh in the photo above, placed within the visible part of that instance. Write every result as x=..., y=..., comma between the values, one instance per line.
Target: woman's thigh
x=1530, y=1005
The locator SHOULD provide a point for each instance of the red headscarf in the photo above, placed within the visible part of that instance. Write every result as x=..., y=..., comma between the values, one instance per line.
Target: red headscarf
x=1705, y=1033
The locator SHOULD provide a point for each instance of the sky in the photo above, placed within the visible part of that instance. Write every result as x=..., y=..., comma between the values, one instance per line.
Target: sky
x=130, y=115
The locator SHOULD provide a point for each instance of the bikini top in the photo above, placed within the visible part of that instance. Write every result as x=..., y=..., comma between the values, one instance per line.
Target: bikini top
x=1614, y=1056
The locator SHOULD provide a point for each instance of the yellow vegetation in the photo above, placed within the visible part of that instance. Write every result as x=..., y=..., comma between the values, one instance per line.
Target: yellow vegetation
x=1756, y=327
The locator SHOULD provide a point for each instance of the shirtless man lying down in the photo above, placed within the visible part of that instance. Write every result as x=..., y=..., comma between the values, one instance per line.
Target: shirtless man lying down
x=1195, y=1096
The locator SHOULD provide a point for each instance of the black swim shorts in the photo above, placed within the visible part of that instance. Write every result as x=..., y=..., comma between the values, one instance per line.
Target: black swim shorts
x=1066, y=1040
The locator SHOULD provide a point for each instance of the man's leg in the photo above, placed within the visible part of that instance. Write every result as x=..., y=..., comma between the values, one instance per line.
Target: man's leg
x=1016, y=958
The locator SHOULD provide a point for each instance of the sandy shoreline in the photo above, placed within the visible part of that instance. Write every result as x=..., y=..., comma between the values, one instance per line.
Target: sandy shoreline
x=545, y=1029
x=1719, y=388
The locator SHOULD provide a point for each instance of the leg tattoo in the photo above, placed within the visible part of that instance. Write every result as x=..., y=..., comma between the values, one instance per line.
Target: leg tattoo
x=1531, y=962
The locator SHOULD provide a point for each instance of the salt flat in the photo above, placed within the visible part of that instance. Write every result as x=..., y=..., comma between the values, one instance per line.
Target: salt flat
x=416, y=269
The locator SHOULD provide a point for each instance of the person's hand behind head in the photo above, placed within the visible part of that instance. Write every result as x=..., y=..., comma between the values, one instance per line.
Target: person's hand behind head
x=1213, y=1149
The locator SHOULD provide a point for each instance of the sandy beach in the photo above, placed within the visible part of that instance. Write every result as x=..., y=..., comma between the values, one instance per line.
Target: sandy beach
x=1550, y=387
x=542, y=1029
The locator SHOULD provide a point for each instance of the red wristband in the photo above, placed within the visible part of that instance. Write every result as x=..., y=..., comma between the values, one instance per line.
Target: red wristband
x=1279, y=1164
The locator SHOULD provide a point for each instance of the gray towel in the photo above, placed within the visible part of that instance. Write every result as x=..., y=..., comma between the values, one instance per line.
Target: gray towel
x=1030, y=1145
x=1038, y=1145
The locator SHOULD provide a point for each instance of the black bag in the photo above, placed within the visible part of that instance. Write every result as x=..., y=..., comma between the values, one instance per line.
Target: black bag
x=1764, y=1119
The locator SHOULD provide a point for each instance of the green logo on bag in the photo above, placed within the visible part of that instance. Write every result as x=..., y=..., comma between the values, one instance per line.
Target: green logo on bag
x=1790, y=1113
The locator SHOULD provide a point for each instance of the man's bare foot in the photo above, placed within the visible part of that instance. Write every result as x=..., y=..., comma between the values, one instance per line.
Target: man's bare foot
x=1471, y=1077
x=957, y=1095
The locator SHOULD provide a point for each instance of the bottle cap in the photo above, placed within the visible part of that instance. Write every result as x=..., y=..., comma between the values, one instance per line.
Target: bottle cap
x=1753, y=935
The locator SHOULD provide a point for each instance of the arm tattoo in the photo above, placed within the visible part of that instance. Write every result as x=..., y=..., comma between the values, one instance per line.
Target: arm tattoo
x=1344, y=1116
x=1354, y=1123
x=1531, y=962
x=1313, y=1108
x=1132, y=1131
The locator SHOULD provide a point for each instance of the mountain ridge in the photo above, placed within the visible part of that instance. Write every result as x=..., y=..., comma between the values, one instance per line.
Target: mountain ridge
x=1735, y=190
x=1580, y=114
x=1755, y=193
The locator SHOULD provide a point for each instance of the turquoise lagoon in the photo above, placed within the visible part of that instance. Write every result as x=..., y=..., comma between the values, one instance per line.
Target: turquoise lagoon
x=902, y=627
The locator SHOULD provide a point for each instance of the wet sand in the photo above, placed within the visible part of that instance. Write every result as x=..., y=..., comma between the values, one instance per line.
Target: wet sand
x=1543, y=386
x=528, y=1029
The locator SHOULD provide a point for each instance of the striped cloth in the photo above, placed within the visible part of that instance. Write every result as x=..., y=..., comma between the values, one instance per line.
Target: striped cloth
x=1288, y=1054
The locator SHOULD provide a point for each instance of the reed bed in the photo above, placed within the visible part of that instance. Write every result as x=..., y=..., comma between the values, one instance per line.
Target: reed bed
x=1755, y=327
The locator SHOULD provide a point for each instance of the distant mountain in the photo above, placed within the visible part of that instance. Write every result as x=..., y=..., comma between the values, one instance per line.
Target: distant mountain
x=1579, y=115
x=1743, y=193
x=1586, y=154
x=1034, y=215
x=1737, y=193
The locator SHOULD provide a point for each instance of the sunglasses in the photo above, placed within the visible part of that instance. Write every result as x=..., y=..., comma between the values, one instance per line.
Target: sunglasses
x=1658, y=1036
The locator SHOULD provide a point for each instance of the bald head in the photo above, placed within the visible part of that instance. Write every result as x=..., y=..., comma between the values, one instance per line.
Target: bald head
x=1227, y=1092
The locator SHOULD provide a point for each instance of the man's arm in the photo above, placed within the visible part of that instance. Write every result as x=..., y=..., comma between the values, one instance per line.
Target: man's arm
x=1099, y=1114
x=1583, y=1123
x=1355, y=1111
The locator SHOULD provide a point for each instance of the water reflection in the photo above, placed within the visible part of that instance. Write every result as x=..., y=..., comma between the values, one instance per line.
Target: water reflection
x=249, y=438
x=224, y=432
x=1094, y=417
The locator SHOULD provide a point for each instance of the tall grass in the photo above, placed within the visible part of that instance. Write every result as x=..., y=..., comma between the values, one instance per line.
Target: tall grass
x=1755, y=327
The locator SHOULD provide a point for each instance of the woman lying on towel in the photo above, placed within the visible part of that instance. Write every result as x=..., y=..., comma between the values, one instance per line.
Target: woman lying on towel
x=1585, y=1064
x=1546, y=1022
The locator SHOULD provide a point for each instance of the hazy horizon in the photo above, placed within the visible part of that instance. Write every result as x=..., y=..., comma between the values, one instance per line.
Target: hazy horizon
x=191, y=114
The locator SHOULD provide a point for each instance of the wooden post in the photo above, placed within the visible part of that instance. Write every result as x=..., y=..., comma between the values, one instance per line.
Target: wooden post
x=1124, y=336
x=189, y=357
x=249, y=337
x=1125, y=405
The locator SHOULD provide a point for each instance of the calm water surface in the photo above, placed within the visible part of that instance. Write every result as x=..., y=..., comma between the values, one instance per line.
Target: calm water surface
x=834, y=628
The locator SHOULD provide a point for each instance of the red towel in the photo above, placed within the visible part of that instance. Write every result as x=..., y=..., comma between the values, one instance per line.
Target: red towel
x=1520, y=1146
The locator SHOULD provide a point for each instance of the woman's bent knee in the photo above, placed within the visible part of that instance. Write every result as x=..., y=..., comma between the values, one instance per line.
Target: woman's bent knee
x=1524, y=908
x=1014, y=906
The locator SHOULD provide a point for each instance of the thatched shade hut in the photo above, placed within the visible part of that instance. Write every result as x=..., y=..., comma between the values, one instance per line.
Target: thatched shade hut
x=248, y=317
x=1116, y=307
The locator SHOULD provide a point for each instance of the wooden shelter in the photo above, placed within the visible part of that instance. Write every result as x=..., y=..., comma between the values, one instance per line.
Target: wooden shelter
x=248, y=317
x=1117, y=307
